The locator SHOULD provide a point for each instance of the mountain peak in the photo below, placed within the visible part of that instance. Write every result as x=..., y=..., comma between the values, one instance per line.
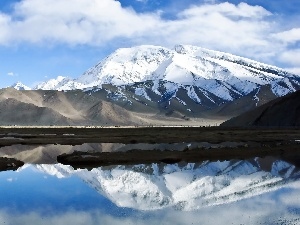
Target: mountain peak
x=55, y=84
x=20, y=86
x=216, y=76
x=186, y=187
x=125, y=66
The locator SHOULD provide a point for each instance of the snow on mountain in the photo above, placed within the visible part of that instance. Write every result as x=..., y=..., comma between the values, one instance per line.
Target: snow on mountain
x=126, y=65
x=19, y=86
x=189, y=187
x=214, y=75
x=60, y=83
x=58, y=170
x=142, y=92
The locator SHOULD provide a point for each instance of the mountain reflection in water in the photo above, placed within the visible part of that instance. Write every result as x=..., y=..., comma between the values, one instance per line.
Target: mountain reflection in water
x=258, y=190
x=47, y=154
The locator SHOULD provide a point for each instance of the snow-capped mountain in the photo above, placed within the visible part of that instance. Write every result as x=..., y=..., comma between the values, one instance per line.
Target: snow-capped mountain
x=53, y=84
x=153, y=85
x=19, y=86
x=189, y=187
x=185, y=73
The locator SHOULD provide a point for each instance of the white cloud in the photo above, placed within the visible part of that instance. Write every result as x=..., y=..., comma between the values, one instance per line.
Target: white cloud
x=294, y=70
x=98, y=22
x=292, y=197
x=263, y=209
x=80, y=22
x=222, y=26
x=228, y=10
x=4, y=28
x=242, y=29
x=11, y=74
x=291, y=56
x=289, y=36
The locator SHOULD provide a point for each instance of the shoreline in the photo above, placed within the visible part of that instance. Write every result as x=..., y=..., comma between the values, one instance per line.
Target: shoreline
x=75, y=136
x=288, y=151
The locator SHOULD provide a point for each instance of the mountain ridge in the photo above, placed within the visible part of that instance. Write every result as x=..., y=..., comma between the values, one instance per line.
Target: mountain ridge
x=20, y=86
x=185, y=82
x=205, y=75
x=146, y=62
x=283, y=111
x=183, y=187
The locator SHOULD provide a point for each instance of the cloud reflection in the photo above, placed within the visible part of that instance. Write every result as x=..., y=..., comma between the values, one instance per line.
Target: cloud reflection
x=270, y=208
x=72, y=201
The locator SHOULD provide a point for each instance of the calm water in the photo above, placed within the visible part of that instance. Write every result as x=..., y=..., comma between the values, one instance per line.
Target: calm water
x=255, y=191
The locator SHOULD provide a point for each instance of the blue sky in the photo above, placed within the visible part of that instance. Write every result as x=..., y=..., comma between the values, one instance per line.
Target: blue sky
x=42, y=39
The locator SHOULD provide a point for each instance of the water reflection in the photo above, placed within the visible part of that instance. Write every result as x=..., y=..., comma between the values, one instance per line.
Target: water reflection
x=47, y=154
x=259, y=190
x=183, y=187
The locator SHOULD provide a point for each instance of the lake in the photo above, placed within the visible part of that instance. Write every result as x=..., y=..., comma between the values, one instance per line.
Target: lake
x=259, y=190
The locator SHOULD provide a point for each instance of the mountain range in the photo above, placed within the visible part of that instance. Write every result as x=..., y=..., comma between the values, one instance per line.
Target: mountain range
x=147, y=84
x=184, y=187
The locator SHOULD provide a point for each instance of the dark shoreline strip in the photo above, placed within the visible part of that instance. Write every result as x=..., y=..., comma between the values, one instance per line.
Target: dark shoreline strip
x=77, y=136
x=10, y=164
x=290, y=152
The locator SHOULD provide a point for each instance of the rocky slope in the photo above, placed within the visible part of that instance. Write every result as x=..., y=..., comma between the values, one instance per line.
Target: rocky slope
x=60, y=108
x=283, y=111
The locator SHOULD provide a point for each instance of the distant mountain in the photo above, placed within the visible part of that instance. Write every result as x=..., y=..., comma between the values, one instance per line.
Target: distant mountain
x=222, y=74
x=186, y=187
x=19, y=86
x=191, y=78
x=53, y=84
x=59, y=108
x=185, y=85
x=283, y=111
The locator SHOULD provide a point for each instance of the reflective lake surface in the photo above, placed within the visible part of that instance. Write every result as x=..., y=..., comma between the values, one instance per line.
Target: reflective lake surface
x=47, y=154
x=255, y=191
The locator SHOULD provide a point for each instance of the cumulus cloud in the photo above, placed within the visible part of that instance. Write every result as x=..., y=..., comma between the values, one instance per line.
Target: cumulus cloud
x=291, y=57
x=222, y=26
x=4, y=28
x=289, y=36
x=90, y=22
x=264, y=209
x=98, y=22
x=242, y=29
